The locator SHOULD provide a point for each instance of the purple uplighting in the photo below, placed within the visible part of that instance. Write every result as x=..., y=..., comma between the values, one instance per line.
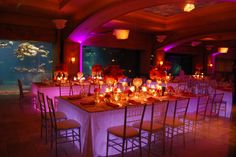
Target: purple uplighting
x=215, y=54
x=81, y=58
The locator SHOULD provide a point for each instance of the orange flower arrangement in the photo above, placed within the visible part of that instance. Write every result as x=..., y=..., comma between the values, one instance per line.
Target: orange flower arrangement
x=113, y=71
x=157, y=73
x=96, y=69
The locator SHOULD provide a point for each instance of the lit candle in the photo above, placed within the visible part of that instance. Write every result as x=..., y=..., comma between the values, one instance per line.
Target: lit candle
x=132, y=88
x=75, y=78
x=144, y=89
x=124, y=84
x=107, y=90
x=118, y=90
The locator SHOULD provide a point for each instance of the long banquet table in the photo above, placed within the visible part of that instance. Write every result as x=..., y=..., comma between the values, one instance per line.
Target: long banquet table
x=95, y=119
x=52, y=91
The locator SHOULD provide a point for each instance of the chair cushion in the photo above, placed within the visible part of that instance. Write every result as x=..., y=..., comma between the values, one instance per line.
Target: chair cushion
x=58, y=115
x=169, y=122
x=147, y=126
x=118, y=131
x=192, y=117
x=67, y=124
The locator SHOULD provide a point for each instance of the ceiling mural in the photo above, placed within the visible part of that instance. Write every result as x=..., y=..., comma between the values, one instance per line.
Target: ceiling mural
x=167, y=10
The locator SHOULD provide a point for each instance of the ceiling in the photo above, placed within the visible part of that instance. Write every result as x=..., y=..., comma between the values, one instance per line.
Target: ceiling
x=212, y=19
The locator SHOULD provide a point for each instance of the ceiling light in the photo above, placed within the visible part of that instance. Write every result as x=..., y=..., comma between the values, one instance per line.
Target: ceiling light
x=223, y=49
x=121, y=34
x=189, y=7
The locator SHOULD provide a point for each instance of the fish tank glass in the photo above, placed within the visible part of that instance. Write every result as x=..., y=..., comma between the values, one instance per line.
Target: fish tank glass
x=127, y=59
x=29, y=61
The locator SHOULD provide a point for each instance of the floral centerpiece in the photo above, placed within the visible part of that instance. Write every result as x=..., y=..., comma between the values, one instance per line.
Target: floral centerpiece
x=113, y=72
x=96, y=75
x=96, y=70
x=158, y=73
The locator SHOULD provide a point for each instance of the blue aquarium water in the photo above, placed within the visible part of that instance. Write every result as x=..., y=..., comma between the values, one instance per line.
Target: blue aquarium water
x=30, y=61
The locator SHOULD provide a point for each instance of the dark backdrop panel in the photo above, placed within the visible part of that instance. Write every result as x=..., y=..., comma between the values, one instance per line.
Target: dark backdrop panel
x=127, y=59
x=180, y=61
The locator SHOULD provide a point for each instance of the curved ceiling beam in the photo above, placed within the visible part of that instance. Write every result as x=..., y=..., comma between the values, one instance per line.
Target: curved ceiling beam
x=191, y=37
x=82, y=32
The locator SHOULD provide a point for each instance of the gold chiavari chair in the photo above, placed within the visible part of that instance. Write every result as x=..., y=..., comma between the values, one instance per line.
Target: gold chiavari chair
x=63, y=131
x=118, y=137
x=194, y=119
x=45, y=117
x=213, y=108
x=25, y=94
x=153, y=129
x=175, y=121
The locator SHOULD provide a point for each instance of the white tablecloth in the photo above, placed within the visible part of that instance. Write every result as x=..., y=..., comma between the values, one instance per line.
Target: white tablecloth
x=94, y=124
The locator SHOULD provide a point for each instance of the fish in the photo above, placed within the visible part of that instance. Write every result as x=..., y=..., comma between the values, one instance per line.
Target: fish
x=42, y=64
x=51, y=61
x=30, y=50
x=4, y=44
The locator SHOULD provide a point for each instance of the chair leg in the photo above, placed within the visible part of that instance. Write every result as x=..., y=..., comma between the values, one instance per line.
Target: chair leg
x=73, y=136
x=46, y=131
x=56, y=143
x=126, y=145
x=140, y=146
x=80, y=148
x=41, y=129
x=52, y=130
x=107, y=144
x=149, y=143
x=123, y=146
x=184, y=136
x=172, y=136
x=164, y=141
x=195, y=130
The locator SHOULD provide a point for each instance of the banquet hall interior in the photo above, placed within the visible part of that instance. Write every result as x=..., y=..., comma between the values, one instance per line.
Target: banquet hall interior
x=131, y=78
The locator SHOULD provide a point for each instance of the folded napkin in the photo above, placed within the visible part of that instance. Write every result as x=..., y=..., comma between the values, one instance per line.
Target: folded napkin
x=74, y=97
x=112, y=104
x=151, y=99
x=188, y=94
x=133, y=102
x=87, y=103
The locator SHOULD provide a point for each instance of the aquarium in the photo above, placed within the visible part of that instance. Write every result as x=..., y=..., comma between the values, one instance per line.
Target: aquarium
x=127, y=59
x=30, y=61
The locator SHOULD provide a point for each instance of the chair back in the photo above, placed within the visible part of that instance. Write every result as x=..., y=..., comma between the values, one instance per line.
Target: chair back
x=65, y=89
x=216, y=103
x=182, y=87
x=132, y=115
x=20, y=88
x=52, y=113
x=76, y=89
x=159, y=113
x=180, y=109
x=42, y=105
x=202, y=107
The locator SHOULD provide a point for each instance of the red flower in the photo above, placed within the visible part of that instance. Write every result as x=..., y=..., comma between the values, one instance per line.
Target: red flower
x=96, y=68
x=96, y=90
x=113, y=71
x=157, y=73
x=128, y=91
